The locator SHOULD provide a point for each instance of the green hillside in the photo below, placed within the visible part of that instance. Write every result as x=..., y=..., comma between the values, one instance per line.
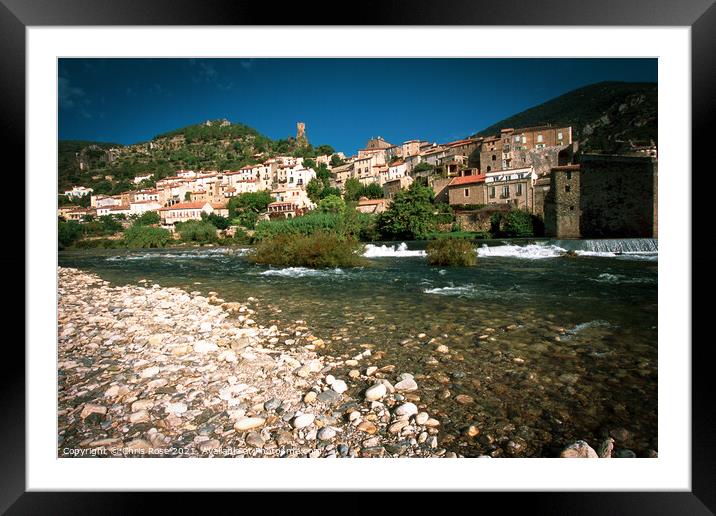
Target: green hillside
x=604, y=116
x=212, y=145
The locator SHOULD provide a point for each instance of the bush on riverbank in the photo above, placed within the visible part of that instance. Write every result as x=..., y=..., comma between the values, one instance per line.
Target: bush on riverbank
x=146, y=237
x=199, y=231
x=349, y=223
x=516, y=224
x=411, y=214
x=318, y=250
x=451, y=251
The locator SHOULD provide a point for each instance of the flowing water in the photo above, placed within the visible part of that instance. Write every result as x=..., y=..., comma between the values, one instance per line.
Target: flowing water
x=550, y=348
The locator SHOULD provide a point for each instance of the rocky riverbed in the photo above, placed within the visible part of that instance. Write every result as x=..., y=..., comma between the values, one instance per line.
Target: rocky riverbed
x=150, y=371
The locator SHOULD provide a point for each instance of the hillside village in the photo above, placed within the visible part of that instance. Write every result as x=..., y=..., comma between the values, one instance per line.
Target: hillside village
x=519, y=168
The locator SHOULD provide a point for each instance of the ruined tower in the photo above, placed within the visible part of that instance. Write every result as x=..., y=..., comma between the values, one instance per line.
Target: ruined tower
x=301, y=133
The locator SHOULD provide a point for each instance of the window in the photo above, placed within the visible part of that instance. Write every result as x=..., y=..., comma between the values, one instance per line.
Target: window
x=467, y=192
x=492, y=191
x=571, y=208
x=567, y=188
x=506, y=191
x=519, y=189
x=539, y=138
x=559, y=136
x=569, y=175
x=524, y=139
x=494, y=157
x=489, y=168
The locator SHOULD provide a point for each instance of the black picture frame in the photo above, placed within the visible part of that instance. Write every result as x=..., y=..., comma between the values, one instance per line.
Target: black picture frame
x=700, y=15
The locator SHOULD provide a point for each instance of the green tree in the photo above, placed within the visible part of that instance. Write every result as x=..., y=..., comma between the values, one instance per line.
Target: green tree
x=218, y=221
x=330, y=191
x=200, y=231
x=187, y=196
x=324, y=150
x=314, y=189
x=68, y=232
x=423, y=167
x=410, y=215
x=336, y=161
x=372, y=191
x=148, y=218
x=332, y=204
x=146, y=237
x=253, y=201
x=353, y=189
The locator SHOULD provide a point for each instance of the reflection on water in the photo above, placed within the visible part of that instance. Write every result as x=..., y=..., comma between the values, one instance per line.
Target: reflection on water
x=550, y=348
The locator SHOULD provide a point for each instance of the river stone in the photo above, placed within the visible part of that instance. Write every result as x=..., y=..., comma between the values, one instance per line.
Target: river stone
x=303, y=421
x=375, y=392
x=310, y=397
x=579, y=449
x=91, y=408
x=330, y=379
x=272, y=404
x=406, y=385
x=463, y=399
x=330, y=396
x=605, y=449
x=248, y=423
x=327, y=433
x=202, y=346
x=176, y=408
x=142, y=405
x=397, y=426
x=406, y=409
x=149, y=372
x=339, y=386
x=367, y=427
x=370, y=370
x=140, y=416
x=208, y=446
x=254, y=439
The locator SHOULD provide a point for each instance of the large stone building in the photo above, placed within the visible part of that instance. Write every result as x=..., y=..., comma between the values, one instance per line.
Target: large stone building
x=605, y=196
x=541, y=147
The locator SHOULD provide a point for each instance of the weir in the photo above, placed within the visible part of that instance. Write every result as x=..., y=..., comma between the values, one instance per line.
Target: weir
x=610, y=245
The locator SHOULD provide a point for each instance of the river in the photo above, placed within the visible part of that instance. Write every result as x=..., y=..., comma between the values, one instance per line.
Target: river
x=545, y=348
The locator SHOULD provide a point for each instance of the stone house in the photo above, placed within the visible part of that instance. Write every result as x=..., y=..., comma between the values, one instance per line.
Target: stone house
x=515, y=187
x=192, y=210
x=467, y=190
x=605, y=196
x=390, y=188
x=366, y=205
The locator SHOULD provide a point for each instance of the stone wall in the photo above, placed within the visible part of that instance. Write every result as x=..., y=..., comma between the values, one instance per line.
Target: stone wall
x=605, y=197
x=618, y=196
x=562, y=203
x=440, y=187
x=479, y=220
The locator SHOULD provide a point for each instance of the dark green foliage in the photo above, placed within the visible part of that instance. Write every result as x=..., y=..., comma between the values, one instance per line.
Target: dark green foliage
x=148, y=218
x=244, y=208
x=253, y=201
x=444, y=213
x=514, y=224
x=636, y=120
x=410, y=215
x=136, y=236
x=354, y=190
x=199, y=231
x=423, y=167
x=217, y=221
x=320, y=249
x=336, y=160
x=451, y=251
x=332, y=204
x=305, y=225
x=68, y=232
x=314, y=189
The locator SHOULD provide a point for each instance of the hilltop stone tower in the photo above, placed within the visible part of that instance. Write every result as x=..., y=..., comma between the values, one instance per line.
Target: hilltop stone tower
x=301, y=133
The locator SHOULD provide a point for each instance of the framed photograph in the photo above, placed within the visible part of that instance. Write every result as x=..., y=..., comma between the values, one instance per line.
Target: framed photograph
x=359, y=255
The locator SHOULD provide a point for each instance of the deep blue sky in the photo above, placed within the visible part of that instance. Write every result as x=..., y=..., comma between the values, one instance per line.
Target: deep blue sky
x=342, y=101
